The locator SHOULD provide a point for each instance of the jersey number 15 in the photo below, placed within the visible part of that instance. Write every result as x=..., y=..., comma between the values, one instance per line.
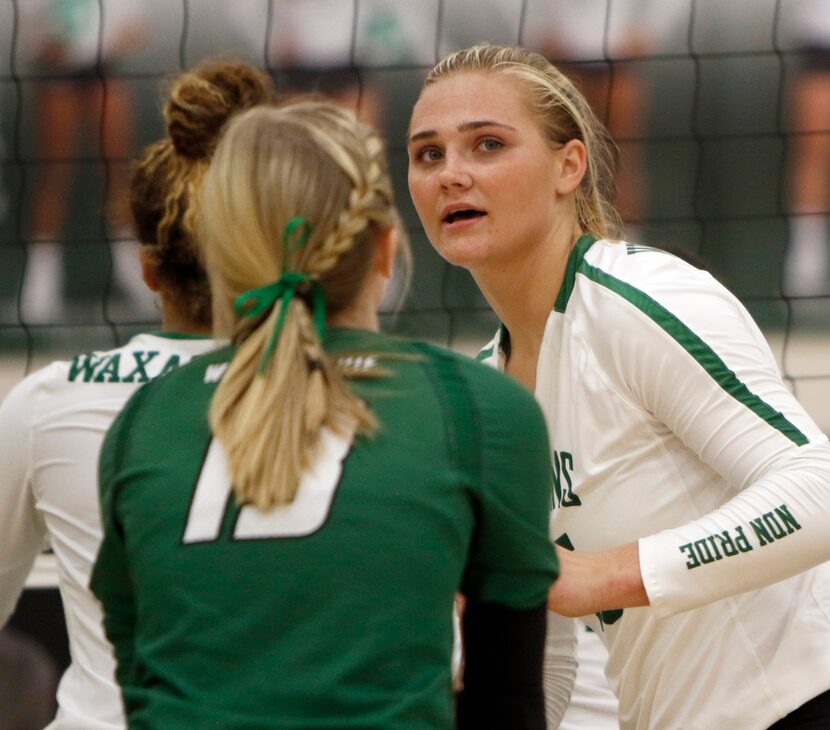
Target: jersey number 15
x=305, y=515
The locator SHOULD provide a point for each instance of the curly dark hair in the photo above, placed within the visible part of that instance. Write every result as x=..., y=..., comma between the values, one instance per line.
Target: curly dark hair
x=167, y=179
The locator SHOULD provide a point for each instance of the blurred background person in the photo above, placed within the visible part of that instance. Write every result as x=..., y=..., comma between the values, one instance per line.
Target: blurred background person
x=74, y=46
x=331, y=47
x=599, y=44
x=807, y=260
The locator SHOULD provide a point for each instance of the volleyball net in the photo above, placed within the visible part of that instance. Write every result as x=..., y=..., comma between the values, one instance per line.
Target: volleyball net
x=716, y=108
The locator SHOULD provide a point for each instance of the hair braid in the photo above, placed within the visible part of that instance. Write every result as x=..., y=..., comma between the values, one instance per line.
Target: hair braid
x=314, y=161
x=360, y=213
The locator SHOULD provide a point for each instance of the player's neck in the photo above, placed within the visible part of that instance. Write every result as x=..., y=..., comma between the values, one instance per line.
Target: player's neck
x=362, y=312
x=174, y=319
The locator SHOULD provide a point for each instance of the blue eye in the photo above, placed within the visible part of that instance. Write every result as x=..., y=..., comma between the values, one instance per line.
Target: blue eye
x=429, y=154
x=491, y=144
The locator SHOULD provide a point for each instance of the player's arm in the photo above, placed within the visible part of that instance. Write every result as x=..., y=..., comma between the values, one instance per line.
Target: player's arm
x=794, y=497
x=512, y=562
x=22, y=530
x=110, y=581
x=503, y=665
x=495, y=694
x=748, y=427
x=705, y=371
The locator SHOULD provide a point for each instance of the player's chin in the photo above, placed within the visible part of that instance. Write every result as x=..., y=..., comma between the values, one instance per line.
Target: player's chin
x=467, y=252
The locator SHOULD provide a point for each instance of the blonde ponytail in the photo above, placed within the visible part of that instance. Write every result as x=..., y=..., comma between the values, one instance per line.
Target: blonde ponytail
x=314, y=163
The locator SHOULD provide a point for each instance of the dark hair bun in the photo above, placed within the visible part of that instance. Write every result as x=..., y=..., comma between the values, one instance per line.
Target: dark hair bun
x=202, y=101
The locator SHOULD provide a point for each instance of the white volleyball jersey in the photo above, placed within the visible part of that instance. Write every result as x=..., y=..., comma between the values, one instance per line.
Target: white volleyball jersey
x=52, y=424
x=592, y=705
x=670, y=425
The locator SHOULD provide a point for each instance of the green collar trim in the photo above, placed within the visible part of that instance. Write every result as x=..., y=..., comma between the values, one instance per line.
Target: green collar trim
x=574, y=264
x=170, y=335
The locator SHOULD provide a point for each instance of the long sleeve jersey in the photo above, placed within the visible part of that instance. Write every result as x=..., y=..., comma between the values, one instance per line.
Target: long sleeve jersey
x=52, y=425
x=670, y=425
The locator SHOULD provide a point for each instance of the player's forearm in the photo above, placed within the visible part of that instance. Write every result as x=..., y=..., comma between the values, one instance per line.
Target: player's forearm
x=591, y=582
x=774, y=529
x=504, y=649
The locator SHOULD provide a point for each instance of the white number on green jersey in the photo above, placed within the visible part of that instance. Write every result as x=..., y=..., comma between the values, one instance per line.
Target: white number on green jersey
x=304, y=515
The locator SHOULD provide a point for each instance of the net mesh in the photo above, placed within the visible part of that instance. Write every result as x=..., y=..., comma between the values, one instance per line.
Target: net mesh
x=717, y=108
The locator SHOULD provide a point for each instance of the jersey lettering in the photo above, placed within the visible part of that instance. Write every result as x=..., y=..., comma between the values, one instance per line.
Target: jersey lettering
x=108, y=373
x=562, y=494
x=305, y=515
x=214, y=372
x=142, y=359
x=84, y=365
x=768, y=528
x=171, y=364
x=94, y=368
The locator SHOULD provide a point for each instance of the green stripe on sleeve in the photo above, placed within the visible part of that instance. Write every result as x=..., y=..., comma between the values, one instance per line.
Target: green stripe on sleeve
x=706, y=357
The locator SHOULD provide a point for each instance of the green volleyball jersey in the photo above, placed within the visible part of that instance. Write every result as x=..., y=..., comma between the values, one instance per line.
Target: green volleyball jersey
x=334, y=611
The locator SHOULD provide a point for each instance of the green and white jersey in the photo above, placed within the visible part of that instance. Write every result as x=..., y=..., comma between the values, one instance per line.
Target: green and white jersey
x=670, y=425
x=52, y=424
x=334, y=611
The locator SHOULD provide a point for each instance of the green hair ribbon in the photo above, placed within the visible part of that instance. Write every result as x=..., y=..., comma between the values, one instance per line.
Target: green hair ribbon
x=256, y=302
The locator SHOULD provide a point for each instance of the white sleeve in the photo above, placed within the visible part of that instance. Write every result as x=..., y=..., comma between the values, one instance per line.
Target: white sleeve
x=791, y=499
x=559, y=668
x=700, y=365
x=21, y=526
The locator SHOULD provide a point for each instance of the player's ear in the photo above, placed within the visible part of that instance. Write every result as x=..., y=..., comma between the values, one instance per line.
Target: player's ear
x=385, y=251
x=572, y=163
x=149, y=269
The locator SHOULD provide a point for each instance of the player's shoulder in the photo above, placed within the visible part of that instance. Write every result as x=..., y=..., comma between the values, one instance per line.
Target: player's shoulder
x=456, y=376
x=619, y=281
x=182, y=390
x=202, y=371
x=24, y=395
x=476, y=372
x=484, y=394
x=646, y=268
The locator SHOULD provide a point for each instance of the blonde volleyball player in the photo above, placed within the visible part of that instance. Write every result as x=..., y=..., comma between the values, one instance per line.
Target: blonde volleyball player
x=53, y=422
x=692, y=487
x=292, y=561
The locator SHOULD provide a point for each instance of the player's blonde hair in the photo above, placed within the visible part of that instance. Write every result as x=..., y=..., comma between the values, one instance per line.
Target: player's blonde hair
x=166, y=180
x=295, y=193
x=563, y=113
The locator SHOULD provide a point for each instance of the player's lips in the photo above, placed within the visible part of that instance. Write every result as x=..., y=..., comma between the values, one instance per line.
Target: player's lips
x=460, y=213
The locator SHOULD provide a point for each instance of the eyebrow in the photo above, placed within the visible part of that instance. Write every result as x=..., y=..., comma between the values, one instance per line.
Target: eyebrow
x=463, y=127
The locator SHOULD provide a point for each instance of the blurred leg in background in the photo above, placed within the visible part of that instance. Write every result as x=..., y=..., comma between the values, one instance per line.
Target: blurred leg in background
x=28, y=682
x=58, y=114
x=80, y=109
x=807, y=261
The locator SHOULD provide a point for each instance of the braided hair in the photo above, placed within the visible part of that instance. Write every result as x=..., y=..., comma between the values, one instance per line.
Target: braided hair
x=311, y=162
